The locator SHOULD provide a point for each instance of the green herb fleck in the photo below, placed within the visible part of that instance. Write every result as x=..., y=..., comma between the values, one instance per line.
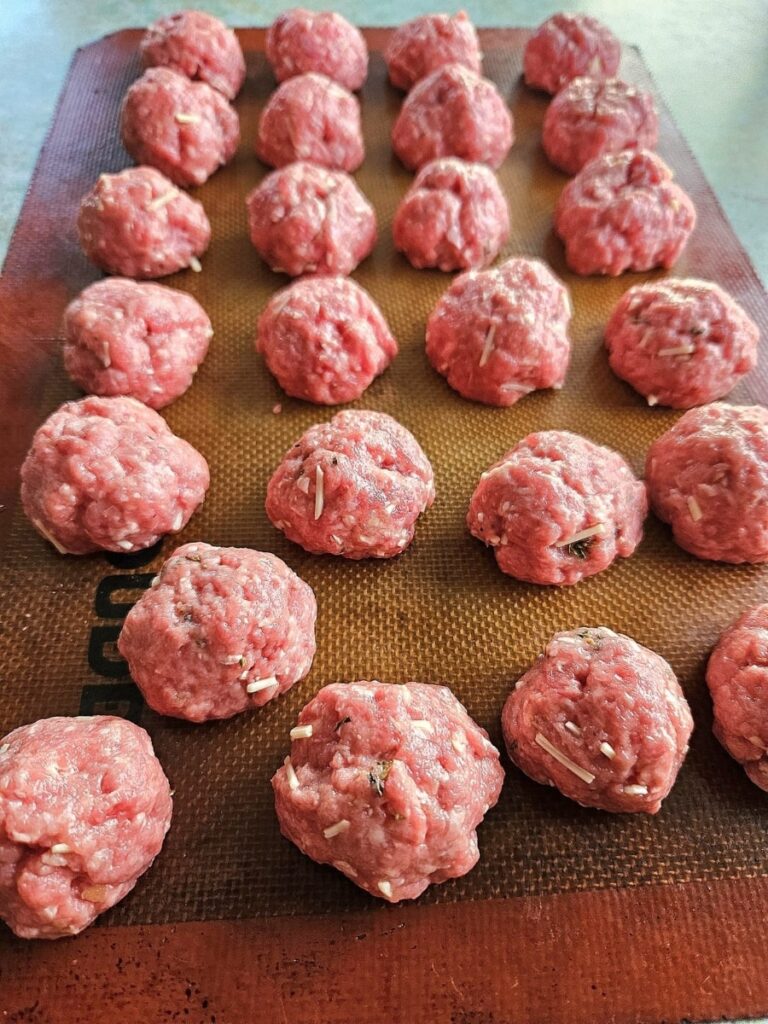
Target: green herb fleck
x=242, y=661
x=579, y=548
x=377, y=776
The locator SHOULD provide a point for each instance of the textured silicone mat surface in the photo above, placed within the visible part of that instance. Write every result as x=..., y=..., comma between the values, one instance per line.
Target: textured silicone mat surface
x=439, y=613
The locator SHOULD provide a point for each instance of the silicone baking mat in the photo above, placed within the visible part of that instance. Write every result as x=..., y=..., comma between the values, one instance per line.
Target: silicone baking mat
x=439, y=613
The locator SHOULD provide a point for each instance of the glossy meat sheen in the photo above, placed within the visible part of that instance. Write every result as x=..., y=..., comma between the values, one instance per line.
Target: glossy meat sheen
x=708, y=478
x=612, y=708
x=681, y=343
x=84, y=808
x=352, y=487
x=309, y=220
x=737, y=676
x=567, y=46
x=299, y=40
x=390, y=787
x=109, y=473
x=453, y=217
x=325, y=339
x=591, y=116
x=422, y=45
x=453, y=112
x=623, y=212
x=500, y=334
x=196, y=45
x=138, y=224
x=537, y=503
x=310, y=117
x=146, y=341
x=216, y=621
x=185, y=129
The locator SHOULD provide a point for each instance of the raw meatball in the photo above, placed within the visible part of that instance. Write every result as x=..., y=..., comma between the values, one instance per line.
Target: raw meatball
x=453, y=217
x=737, y=676
x=109, y=473
x=84, y=808
x=453, y=112
x=500, y=334
x=221, y=630
x=138, y=224
x=185, y=129
x=122, y=337
x=310, y=117
x=424, y=44
x=567, y=46
x=309, y=220
x=623, y=212
x=325, y=340
x=196, y=45
x=388, y=783
x=602, y=719
x=300, y=40
x=352, y=487
x=708, y=478
x=591, y=117
x=680, y=343
x=558, y=508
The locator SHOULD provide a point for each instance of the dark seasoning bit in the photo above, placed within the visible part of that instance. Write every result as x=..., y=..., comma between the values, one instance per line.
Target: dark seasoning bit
x=580, y=548
x=377, y=776
x=344, y=721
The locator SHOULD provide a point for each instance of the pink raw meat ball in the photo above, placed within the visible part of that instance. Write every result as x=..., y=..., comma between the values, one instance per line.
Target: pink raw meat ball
x=453, y=112
x=558, y=508
x=708, y=478
x=310, y=117
x=138, y=224
x=424, y=44
x=502, y=333
x=108, y=473
x=310, y=220
x=299, y=40
x=325, y=340
x=388, y=783
x=352, y=487
x=602, y=719
x=84, y=808
x=567, y=46
x=592, y=116
x=681, y=343
x=623, y=212
x=454, y=216
x=196, y=45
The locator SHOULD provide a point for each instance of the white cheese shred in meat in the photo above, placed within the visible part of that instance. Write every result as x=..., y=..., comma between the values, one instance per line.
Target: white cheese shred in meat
x=385, y=888
x=163, y=200
x=695, y=509
x=290, y=771
x=485, y=355
x=607, y=749
x=591, y=531
x=195, y=264
x=257, y=685
x=181, y=118
x=301, y=732
x=319, y=491
x=337, y=829
x=564, y=760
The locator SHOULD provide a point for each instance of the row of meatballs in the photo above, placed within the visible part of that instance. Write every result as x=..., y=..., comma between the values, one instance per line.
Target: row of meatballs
x=385, y=782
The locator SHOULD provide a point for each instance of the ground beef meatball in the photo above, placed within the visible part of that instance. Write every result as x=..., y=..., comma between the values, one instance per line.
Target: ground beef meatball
x=737, y=676
x=602, y=719
x=568, y=46
x=422, y=45
x=108, y=473
x=185, y=129
x=681, y=343
x=453, y=217
x=623, y=212
x=300, y=40
x=124, y=337
x=502, y=333
x=708, y=478
x=453, y=112
x=558, y=508
x=196, y=45
x=309, y=220
x=388, y=783
x=222, y=630
x=352, y=487
x=310, y=117
x=138, y=224
x=84, y=808
x=325, y=339
x=592, y=116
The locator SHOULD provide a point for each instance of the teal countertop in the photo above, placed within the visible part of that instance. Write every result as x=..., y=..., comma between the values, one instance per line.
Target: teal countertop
x=709, y=58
